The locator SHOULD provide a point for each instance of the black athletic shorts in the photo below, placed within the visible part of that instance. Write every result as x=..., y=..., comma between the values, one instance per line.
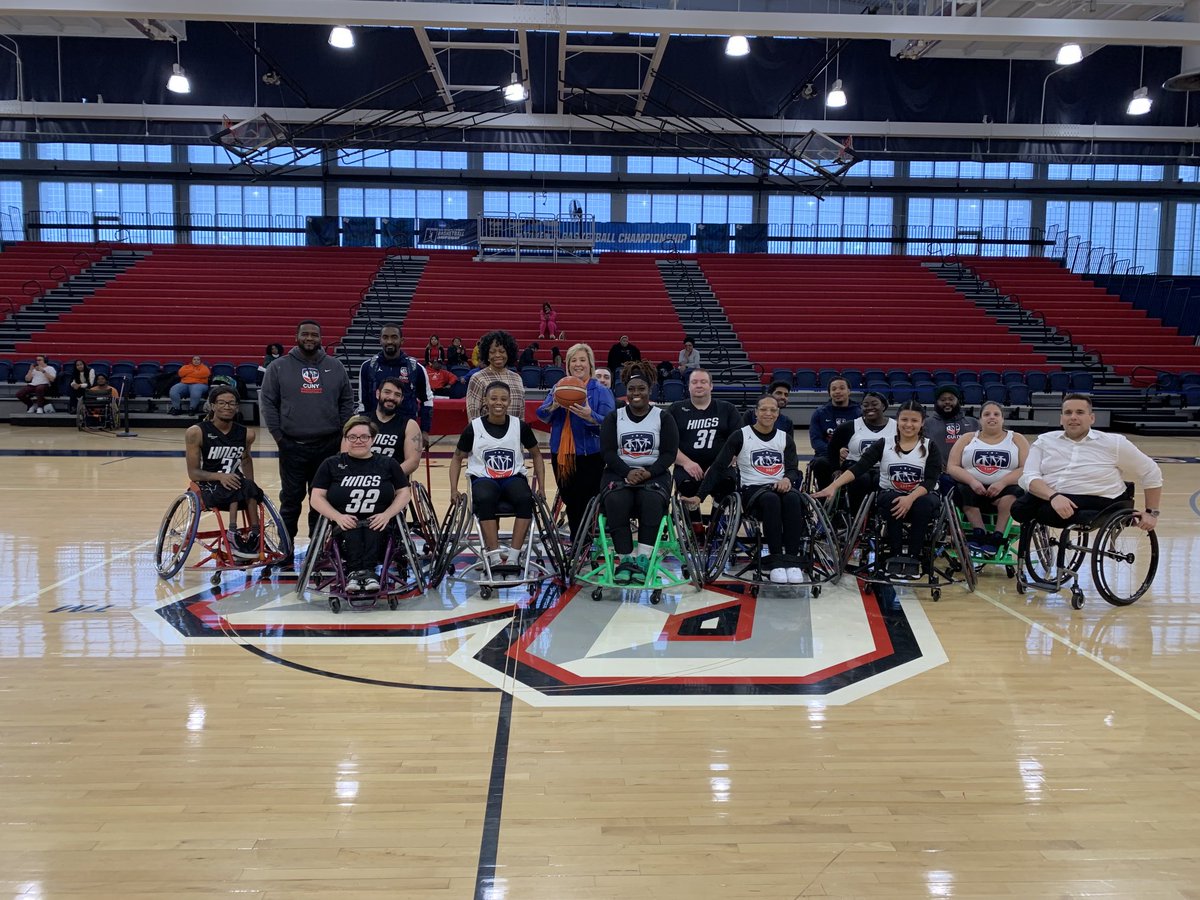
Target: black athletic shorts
x=214, y=496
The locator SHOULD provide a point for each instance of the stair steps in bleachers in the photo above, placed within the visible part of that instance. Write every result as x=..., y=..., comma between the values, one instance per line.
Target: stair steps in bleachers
x=387, y=299
x=37, y=314
x=705, y=322
x=1032, y=330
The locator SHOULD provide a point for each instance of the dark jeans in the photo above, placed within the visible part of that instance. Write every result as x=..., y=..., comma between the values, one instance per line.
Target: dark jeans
x=919, y=516
x=298, y=464
x=578, y=490
x=781, y=517
x=487, y=494
x=33, y=395
x=648, y=501
x=362, y=549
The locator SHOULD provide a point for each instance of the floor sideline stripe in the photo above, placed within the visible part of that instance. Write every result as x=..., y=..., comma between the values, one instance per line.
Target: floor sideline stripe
x=1100, y=661
x=79, y=574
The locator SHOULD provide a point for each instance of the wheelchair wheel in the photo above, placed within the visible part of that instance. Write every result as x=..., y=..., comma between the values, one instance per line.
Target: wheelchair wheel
x=955, y=541
x=581, y=545
x=856, y=533
x=693, y=562
x=275, y=537
x=316, y=549
x=449, y=539
x=721, y=537
x=1124, y=559
x=403, y=539
x=824, y=557
x=549, y=535
x=177, y=534
x=423, y=519
x=1053, y=560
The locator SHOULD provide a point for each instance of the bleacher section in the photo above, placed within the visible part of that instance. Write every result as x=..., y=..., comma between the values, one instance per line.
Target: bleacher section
x=224, y=303
x=857, y=312
x=458, y=297
x=23, y=263
x=1125, y=337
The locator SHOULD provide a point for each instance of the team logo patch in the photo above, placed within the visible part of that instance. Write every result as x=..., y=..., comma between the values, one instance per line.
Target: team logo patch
x=499, y=463
x=637, y=443
x=767, y=462
x=989, y=462
x=905, y=477
x=310, y=380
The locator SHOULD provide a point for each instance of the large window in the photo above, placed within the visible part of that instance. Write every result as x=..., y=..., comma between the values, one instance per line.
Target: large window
x=837, y=224
x=1103, y=172
x=690, y=208
x=1185, y=259
x=400, y=204
x=1127, y=230
x=10, y=150
x=545, y=162
x=688, y=165
x=965, y=170
x=970, y=225
x=212, y=155
x=12, y=210
x=114, y=153
x=547, y=203
x=251, y=214
x=402, y=159
x=88, y=211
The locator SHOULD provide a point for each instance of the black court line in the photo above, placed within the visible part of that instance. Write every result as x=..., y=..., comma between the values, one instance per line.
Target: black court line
x=489, y=843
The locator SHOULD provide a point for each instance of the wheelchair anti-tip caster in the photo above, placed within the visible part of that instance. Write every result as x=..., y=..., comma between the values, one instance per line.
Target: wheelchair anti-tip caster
x=655, y=597
x=936, y=593
x=392, y=603
x=1010, y=571
x=215, y=579
x=816, y=591
x=1076, y=598
x=335, y=605
x=597, y=593
x=485, y=591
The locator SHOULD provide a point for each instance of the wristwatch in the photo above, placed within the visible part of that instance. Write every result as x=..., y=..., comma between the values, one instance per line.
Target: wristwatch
x=1153, y=512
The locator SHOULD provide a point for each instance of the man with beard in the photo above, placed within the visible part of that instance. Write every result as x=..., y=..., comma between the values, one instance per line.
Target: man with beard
x=305, y=398
x=392, y=362
x=704, y=426
x=825, y=421
x=397, y=433
x=947, y=423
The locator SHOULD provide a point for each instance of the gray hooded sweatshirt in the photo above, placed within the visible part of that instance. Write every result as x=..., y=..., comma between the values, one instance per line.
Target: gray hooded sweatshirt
x=305, y=400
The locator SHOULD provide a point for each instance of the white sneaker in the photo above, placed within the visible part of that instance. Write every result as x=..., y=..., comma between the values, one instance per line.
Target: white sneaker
x=38, y=411
x=779, y=576
x=795, y=575
x=495, y=557
x=370, y=583
x=47, y=408
x=353, y=585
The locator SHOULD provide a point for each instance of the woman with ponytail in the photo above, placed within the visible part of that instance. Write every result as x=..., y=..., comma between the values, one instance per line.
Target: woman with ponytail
x=575, y=436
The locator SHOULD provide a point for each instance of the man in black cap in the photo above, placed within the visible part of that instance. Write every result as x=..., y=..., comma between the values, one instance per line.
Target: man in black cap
x=947, y=422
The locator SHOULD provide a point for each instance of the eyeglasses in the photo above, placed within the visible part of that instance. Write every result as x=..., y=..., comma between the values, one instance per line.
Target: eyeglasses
x=358, y=438
x=225, y=403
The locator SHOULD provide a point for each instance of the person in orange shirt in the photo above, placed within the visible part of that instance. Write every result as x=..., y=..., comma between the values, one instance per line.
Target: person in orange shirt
x=193, y=382
x=440, y=378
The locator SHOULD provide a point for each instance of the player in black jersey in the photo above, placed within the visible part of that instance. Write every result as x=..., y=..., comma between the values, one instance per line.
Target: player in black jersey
x=219, y=462
x=361, y=492
x=398, y=436
x=704, y=425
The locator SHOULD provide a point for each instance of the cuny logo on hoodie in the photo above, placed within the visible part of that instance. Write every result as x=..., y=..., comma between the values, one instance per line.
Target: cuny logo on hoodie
x=637, y=443
x=310, y=380
x=767, y=462
x=499, y=463
x=989, y=462
x=905, y=477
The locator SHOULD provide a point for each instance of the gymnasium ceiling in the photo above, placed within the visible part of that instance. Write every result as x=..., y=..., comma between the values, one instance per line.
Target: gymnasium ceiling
x=921, y=77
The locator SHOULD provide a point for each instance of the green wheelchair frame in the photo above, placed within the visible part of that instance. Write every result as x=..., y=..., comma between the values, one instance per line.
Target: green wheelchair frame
x=1006, y=555
x=594, y=561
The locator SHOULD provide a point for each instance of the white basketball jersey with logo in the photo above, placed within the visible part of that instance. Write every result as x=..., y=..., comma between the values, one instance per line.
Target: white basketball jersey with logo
x=759, y=461
x=637, y=442
x=988, y=463
x=496, y=457
x=900, y=471
x=864, y=437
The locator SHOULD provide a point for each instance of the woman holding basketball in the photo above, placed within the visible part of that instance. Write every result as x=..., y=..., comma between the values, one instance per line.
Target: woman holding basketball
x=574, y=410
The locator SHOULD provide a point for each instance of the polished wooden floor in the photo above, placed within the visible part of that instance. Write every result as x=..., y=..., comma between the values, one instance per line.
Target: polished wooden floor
x=1054, y=755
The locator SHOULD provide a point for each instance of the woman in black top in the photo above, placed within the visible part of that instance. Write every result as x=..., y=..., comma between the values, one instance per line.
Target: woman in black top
x=81, y=378
x=361, y=492
x=456, y=354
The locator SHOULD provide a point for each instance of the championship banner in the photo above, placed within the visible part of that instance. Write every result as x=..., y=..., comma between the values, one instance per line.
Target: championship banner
x=398, y=232
x=358, y=231
x=712, y=238
x=448, y=233
x=656, y=237
x=750, y=238
x=321, y=231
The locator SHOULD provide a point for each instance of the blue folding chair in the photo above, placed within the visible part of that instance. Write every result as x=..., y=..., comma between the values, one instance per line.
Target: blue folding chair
x=901, y=393
x=824, y=376
x=926, y=392
x=853, y=377
x=124, y=367
x=1082, y=381
x=1012, y=376
x=805, y=380
x=966, y=376
x=142, y=386
x=898, y=376
x=1019, y=395
x=672, y=390
x=990, y=376
x=996, y=391
x=919, y=375
x=19, y=370
x=1058, y=382
x=171, y=368
x=225, y=369
x=553, y=374
x=148, y=368
x=874, y=375
x=531, y=377
x=943, y=376
x=972, y=393
x=783, y=375
x=1037, y=381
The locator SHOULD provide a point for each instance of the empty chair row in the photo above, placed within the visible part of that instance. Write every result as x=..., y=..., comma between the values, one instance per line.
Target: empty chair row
x=15, y=371
x=1037, y=381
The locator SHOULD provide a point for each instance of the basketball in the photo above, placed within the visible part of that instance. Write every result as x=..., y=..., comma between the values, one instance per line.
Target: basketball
x=569, y=391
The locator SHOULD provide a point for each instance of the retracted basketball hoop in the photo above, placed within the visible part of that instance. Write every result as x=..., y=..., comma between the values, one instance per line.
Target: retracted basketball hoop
x=247, y=137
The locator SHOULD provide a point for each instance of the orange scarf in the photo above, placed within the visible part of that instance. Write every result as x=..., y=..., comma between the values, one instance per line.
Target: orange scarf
x=566, y=449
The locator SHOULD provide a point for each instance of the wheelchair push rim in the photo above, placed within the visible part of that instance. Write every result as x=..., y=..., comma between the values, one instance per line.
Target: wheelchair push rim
x=177, y=534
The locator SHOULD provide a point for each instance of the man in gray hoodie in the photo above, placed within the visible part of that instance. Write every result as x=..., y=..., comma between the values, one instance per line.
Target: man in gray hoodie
x=305, y=398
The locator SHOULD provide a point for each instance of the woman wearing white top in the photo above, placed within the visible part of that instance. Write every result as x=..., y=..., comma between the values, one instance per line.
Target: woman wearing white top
x=987, y=465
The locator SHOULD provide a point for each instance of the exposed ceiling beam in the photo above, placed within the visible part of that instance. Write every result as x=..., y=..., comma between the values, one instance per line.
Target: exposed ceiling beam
x=648, y=84
x=558, y=18
x=11, y=109
x=435, y=67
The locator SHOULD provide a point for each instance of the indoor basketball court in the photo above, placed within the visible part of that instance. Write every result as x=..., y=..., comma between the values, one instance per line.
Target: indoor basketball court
x=166, y=738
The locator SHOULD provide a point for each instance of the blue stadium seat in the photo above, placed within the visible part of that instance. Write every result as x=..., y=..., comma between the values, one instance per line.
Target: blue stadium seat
x=1191, y=395
x=120, y=382
x=881, y=387
x=943, y=376
x=226, y=369
x=853, y=377
x=1037, y=381
x=142, y=386
x=926, y=392
x=784, y=375
x=531, y=377
x=459, y=372
x=966, y=376
x=249, y=373
x=672, y=390
x=1082, y=381
x=171, y=368
x=1189, y=379
x=1012, y=376
x=919, y=375
x=1019, y=395
x=901, y=393
x=824, y=376
x=19, y=369
x=618, y=389
x=552, y=374
x=1058, y=382
x=972, y=393
x=805, y=380
x=870, y=375
x=996, y=391
x=5, y=371
x=148, y=368
x=990, y=376
x=124, y=367
x=898, y=377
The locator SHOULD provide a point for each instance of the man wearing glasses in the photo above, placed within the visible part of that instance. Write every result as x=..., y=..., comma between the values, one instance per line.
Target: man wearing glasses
x=219, y=461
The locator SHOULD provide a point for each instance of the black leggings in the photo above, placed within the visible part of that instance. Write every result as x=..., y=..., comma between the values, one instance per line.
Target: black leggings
x=920, y=514
x=781, y=516
x=648, y=501
x=579, y=489
x=362, y=549
x=488, y=493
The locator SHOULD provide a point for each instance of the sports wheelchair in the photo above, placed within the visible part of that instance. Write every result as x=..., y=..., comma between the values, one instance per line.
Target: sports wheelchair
x=733, y=544
x=461, y=533
x=594, y=561
x=1006, y=552
x=180, y=529
x=95, y=414
x=1124, y=559
x=945, y=559
x=401, y=573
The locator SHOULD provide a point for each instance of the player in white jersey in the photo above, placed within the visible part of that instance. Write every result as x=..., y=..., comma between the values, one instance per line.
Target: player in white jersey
x=987, y=466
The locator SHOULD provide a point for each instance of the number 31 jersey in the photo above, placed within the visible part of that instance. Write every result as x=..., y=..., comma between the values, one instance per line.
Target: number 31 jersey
x=702, y=432
x=360, y=487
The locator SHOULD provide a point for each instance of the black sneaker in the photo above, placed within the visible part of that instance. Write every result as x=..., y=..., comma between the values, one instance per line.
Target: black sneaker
x=244, y=547
x=913, y=569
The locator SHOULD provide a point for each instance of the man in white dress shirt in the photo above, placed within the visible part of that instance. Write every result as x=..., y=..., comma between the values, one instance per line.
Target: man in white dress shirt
x=1080, y=469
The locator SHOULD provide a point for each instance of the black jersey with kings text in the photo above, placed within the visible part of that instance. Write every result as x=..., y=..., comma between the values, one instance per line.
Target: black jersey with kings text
x=390, y=439
x=360, y=487
x=703, y=431
x=220, y=452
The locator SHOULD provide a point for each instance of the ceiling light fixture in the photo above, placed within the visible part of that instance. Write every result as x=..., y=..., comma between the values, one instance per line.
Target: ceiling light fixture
x=514, y=91
x=1068, y=55
x=341, y=37
x=737, y=45
x=1140, y=102
x=178, y=83
x=836, y=98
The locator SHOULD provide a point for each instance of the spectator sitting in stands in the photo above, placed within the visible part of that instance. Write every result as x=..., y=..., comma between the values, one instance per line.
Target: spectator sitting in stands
x=38, y=381
x=780, y=390
x=434, y=351
x=100, y=391
x=548, y=323
x=689, y=356
x=441, y=379
x=528, y=356
x=556, y=357
x=82, y=377
x=193, y=381
x=456, y=355
x=477, y=359
x=274, y=351
x=825, y=421
x=621, y=353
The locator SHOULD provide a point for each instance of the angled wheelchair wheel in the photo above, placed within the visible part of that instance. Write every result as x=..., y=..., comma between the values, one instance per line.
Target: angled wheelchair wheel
x=450, y=535
x=423, y=520
x=693, y=561
x=585, y=539
x=823, y=556
x=856, y=534
x=1124, y=559
x=548, y=534
x=1054, y=558
x=176, y=534
x=950, y=542
x=275, y=537
x=721, y=536
x=316, y=549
